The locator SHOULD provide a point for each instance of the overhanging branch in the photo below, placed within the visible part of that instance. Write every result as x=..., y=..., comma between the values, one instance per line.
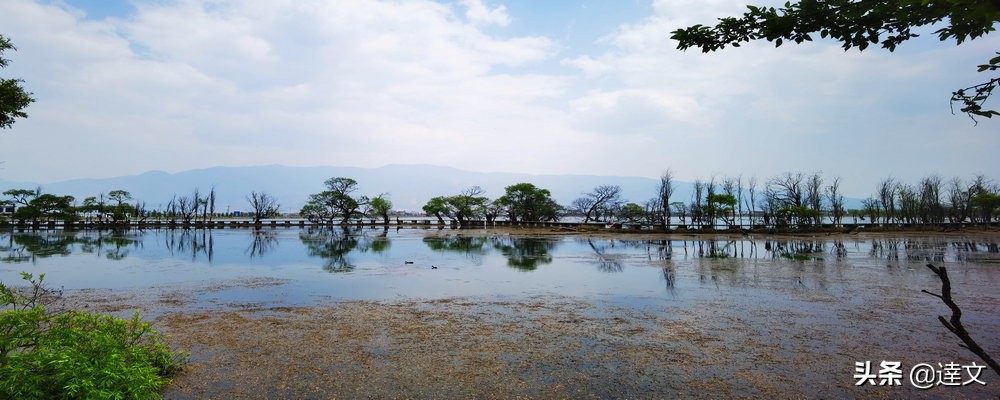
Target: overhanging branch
x=954, y=324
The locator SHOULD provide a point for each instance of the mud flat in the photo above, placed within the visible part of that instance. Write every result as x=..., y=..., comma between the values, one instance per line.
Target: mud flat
x=563, y=347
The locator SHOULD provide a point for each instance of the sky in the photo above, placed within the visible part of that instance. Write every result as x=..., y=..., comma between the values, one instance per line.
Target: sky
x=543, y=87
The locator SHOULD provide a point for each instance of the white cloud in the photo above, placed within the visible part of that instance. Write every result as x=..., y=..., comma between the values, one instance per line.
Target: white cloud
x=191, y=83
x=311, y=82
x=479, y=13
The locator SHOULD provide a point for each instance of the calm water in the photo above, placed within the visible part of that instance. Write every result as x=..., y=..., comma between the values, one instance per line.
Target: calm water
x=313, y=265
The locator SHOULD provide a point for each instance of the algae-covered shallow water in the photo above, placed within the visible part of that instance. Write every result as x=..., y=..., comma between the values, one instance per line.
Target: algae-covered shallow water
x=644, y=316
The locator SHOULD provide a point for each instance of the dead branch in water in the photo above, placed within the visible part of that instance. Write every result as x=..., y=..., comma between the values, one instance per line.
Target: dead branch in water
x=955, y=323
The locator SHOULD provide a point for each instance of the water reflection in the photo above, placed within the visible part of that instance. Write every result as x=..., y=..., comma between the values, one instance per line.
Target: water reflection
x=340, y=248
x=473, y=247
x=332, y=244
x=196, y=243
x=264, y=241
x=29, y=247
x=606, y=262
x=525, y=253
x=801, y=250
x=378, y=243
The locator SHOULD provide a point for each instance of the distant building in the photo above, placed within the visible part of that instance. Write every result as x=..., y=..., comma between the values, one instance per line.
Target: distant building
x=6, y=208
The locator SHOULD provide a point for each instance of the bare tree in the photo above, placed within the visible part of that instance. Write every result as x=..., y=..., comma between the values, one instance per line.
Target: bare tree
x=141, y=212
x=681, y=209
x=887, y=190
x=696, y=205
x=187, y=207
x=836, y=200
x=211, y=202
x=731, y=187
x=752, y=191
x=931, y=209
x=909, y=203
x=872, y=209
x=604, y=199
x=665, y=191
x=739, y=197
x=581, y=205
x=787, y=189
x=814, y=196
x=262, y=205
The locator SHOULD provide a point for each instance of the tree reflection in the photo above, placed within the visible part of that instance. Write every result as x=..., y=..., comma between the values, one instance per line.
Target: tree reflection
x=28, y=247
x=115, y=245
x=264, y=241
x=799, y=250
x=332, y=244
x=606, y=262
x=525, y=253
x=670, y=277
x=473, y=247
x=716, y=248
x=196, y=242
x=378, y=243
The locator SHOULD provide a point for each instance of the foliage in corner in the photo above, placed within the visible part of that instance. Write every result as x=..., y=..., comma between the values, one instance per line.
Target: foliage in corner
x=13, y=97
x=858, y=24
x=77, y=355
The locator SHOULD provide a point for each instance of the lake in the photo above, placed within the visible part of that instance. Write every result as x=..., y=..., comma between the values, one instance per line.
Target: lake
x=772, y=307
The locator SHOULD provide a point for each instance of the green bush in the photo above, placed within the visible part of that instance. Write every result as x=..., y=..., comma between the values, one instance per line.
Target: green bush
x=77, y=355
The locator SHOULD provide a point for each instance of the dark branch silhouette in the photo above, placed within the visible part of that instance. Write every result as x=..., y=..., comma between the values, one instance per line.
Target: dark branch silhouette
x=955, y=323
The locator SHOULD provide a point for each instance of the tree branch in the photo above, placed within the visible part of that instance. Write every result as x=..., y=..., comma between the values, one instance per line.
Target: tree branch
x=955, y=323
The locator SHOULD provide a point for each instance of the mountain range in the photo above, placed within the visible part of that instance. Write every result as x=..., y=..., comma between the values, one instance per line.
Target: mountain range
x=409, y=186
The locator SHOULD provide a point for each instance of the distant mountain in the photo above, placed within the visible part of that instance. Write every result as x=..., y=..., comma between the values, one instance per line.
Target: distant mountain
x=409, y=186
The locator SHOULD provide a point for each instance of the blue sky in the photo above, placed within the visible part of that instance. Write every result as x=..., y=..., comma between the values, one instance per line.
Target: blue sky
x=584, y=87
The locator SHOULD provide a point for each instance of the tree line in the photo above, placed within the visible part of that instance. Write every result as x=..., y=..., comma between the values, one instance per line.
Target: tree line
x=791, y=199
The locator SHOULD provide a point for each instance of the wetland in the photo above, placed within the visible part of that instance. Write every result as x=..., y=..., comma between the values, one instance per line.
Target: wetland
x=487, y=313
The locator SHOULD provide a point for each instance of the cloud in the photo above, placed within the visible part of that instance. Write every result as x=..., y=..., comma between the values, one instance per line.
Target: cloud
x=184, y=84
x=637, y=110
x=479, y=13
x=310, y=82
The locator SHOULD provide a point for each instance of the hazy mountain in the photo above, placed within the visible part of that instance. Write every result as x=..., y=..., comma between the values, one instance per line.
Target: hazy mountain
x=409, y=186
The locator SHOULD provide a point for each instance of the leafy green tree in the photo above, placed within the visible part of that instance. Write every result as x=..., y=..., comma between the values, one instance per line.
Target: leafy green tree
x=437, y=206
x=22, y=196
x=381, y=205
x=986, y=204
x=721, y=205
x=121, y=211
x=461, y=207
x=493, y=210
x=13, y=98
x=334, y=202
x=800, y=215
x=858, y=24
x=467, y=205
x=525, y=202
x=633, y=213
x=47, y=206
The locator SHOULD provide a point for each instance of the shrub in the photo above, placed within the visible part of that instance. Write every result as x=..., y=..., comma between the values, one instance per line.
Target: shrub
x=75, y=354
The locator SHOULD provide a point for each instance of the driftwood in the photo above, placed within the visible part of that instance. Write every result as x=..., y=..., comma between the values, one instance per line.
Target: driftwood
x=955, y=323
